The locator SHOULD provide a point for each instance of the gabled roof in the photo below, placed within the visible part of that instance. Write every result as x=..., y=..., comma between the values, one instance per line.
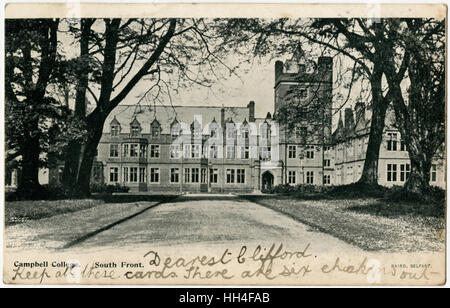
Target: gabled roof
x=165, y=115
x=135, y=122
x=155, y=122
x=114, y=121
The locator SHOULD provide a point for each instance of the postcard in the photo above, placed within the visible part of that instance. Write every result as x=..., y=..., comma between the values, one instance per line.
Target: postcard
x=224, y=144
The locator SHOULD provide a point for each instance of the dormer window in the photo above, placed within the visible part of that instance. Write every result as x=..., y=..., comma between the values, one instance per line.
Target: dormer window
x=245, y=131
x=196, y=128
x=230, y=129
x=155, y=128
x=135, y=128
x=115, y=129
x=301, y=68
x=175, y=129
x=213, y=128
x=135, y=131
x=265, y=130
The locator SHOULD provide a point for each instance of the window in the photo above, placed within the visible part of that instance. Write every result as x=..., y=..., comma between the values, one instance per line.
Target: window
x=230, y=175
x=133, y=174
x=154, y=151
x=265, y=153
x=292, y=151
x=302, y=132
x=391, y=172
x=125, y=150
x=433, y=173
x=195, y=153
x=135, y=130
x=310, y=177
x=154, y=175
x=327, y=179
x=392, y=142
x=115, y=129
x=310, y=152
x=174, y=175
x=230, y=151
x=175, y=131
x=213, y=151
x=404, y=172
x=143, y=150
x=213, y=175
x=155, y=130
x=327, y=149
x=265, y=131
x=327, y=163
x=97, y=173
x=194, y=175
x=174, y=151
x=142, y=175
x=113, y=150
x=60, y=174
x=402, y=145
x=301, y=68
x=203, y=175
x=230, y=131
x=187, y=150
x=125, y=174
x=187, y=173
x=133, y=150
x=244, y=133
x=291, y=177
x=113, y=174
x=245, y=152
x=240, y=176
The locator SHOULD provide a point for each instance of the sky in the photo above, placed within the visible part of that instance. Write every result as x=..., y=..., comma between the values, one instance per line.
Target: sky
x=255, y=85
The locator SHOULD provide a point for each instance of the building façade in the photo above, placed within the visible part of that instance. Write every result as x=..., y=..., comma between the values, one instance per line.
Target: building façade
x=228, y=149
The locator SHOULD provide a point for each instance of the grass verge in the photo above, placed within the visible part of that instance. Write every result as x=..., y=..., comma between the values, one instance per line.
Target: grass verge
x=371, y=224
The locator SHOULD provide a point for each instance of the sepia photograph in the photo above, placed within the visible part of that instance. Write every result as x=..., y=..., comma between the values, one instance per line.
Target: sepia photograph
x=212, y=144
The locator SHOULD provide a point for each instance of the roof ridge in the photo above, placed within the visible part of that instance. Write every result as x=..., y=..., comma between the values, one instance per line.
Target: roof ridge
x=184, y=106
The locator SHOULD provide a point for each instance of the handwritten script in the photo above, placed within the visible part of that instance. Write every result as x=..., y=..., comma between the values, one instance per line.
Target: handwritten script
x=258, y=264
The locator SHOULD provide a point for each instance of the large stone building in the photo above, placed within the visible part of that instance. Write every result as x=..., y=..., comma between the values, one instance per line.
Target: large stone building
x=228, y=149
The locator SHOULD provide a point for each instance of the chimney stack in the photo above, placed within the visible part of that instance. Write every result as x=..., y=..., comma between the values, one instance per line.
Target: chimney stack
x=360, y=112
x=349, y=121
x=325, y=65
x=278, y=69
x=251, y=111
x=222, y=117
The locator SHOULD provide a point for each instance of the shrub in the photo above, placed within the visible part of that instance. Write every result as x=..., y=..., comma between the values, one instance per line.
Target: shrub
x=433, y=194
x=108, y=189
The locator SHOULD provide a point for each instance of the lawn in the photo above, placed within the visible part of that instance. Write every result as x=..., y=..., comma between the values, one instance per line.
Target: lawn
x=22, y=211
x=373, y=224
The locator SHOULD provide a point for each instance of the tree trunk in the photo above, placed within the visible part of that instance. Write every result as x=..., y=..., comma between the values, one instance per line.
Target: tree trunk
x=29, y=186
x=379, y=107
x=95, y=127
x=71, y=163
x=418, y=180
x=73, y=152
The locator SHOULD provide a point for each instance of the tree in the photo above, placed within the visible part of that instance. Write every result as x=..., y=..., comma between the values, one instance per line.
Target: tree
x=420, y=109
x=385, y=52
x=116, y=55
x=30, y=58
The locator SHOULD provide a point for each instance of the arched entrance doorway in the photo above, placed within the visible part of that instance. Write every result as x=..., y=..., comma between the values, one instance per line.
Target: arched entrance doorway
x=267, y=180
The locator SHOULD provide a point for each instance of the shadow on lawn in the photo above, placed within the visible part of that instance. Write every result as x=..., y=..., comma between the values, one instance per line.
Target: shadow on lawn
x=125, y=198
x=390, y=209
